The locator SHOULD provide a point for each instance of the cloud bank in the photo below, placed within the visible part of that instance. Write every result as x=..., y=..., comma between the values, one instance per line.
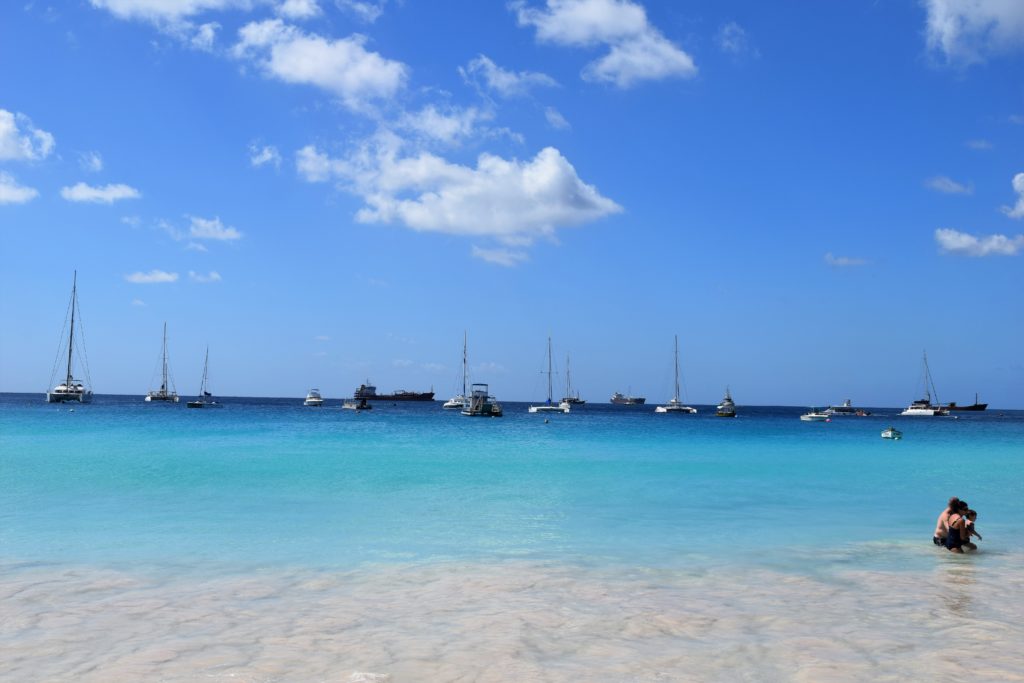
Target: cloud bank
x=954, y=242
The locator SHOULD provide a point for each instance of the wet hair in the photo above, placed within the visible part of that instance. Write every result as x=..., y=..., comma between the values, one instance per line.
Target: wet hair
x=954, y=504
x=963, y=506
x=971, y=514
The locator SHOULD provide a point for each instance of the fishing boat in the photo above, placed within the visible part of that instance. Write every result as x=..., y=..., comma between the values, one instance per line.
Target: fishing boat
x=481, y=403
x=549, y=406
x=726, y=408
x=815, y=415
x=923, y=407
x=892, y=433
x=460, y=402
x=353, y=404
x=570, y=398
x=846, y=410
x=166, y=393
x=675, y=405
x=369, y=392
x=314, y=399
x=622, y=400
x=70, y=389
x=972, y=408
x=205, y=398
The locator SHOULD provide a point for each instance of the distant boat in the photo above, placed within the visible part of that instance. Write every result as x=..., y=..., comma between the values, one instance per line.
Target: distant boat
x=675, y=405
x=70, y=389
x=460, y=402
x=570, y=398
x=205, y=398
x=163, y=394
x=726, y=408
x=620, y=400
x=846, y=410
x=924, y=406
x=313, y=399
x=549, y=407
x=481, y=403
x=369, y=392
x=815, y=415
x=892, y=433
x=976, y=407
x=353, y=404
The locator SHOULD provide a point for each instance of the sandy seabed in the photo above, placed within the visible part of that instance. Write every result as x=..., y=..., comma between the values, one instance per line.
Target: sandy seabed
x=513, y=621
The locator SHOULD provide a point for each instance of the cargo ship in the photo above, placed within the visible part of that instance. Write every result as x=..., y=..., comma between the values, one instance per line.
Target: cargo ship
x=620, y=400
x=977, y=406
x=369, y=392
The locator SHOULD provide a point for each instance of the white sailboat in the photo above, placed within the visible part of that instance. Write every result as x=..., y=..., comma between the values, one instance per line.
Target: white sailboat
x=675, y=405
x=205, y=398
x=166, y=393
x=549, y=406
x=460, y=402
x=924, y=406
x=70, y=389
x=571, y=398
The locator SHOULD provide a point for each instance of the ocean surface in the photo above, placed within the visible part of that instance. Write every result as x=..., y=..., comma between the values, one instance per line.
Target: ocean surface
x=267, y=541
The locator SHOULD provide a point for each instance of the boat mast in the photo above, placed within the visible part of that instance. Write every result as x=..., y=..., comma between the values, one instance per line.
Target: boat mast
x=163, y=385
x=568, y=384
x=549, y=369
x=928, y=381
x=464, y=369
x=677, y=368
x=206, y=364
x=71, y=335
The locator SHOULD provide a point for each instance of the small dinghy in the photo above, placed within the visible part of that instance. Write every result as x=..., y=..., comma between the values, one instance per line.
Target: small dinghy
x=892, y=433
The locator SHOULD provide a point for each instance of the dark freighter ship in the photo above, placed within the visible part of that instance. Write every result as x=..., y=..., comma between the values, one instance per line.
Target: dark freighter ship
x=369, y=392
x=977, y=406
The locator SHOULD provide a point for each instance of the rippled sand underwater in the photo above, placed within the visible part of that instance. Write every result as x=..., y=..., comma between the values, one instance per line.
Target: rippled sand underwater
x=516, y=621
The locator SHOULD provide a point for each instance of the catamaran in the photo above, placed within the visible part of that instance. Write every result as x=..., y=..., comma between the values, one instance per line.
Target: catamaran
x=166, y=393
x=924, y=406
x=70, y=389
x=205, y=398
x=460, y=402
x=675, y=405
x=549, y=406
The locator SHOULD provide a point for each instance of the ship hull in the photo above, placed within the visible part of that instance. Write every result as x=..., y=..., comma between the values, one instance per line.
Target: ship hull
x=964, y=409
x=411, y=396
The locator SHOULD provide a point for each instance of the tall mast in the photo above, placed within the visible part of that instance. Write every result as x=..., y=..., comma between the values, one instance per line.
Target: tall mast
x=464, y=369
x=549, y=369
x=568, y=384
x=163, y=385
x=929, y=383
x=206, y=365
x=677, y=368
x=71, y=336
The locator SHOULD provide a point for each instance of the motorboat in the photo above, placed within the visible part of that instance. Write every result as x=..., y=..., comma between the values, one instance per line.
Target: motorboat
x=481, y=403
x=846, y=410
x=892, y=433
x=313, y=399
x=726, y=408
x=356, y=404
x=815, y=415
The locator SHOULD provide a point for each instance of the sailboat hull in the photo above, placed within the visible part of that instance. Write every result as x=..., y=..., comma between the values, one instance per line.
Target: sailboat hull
x=69, y=397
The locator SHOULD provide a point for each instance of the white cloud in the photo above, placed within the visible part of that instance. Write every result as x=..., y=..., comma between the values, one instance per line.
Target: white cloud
x=483, y=71
x=164, y=11
x=213, y=276
x=106, y=194
x=448, y=126
x=133, y=221
x=138, y=302
x=211, y=229
x=843, y=261
x=260, y=156
x=152, y=277
x=978, y=145
x=365, y=10
x=90, y=161
x=1017, y=210
x=204, y=36
x=343, y=67
x=299, y=9
x=13, y=193
x=196, y=246
x=969, y=31
x=401, y=363
x=555, y=119
x=22, y=141
x=638, y=50
x=955, y=242
x=501, y=256
x=732, y=39
x=509, y=200
x=948, y=185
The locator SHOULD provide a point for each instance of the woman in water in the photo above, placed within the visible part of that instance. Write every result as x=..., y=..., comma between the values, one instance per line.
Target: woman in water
x=942, y=525
x=957, y=536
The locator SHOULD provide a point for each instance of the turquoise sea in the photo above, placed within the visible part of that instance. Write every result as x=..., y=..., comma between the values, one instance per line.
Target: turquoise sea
x=267, y=541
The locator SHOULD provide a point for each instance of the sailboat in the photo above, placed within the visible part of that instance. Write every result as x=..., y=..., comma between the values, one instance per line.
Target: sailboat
x=549, y=407
x=924, y=406
x=163, y=394
x=205, y=398
x=570, y=398
x=460, y=402
x=726, y=408
x=675, y=405
x=70, y=389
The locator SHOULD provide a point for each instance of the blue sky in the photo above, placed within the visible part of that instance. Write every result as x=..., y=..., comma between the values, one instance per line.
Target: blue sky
x=809, y=194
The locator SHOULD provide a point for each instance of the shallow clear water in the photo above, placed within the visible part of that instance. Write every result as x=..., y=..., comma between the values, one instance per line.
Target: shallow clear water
x=590, y=543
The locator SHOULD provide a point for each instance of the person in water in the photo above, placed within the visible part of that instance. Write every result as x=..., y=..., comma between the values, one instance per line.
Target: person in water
x=972, y=517
x=942, y=524
x=957, y=536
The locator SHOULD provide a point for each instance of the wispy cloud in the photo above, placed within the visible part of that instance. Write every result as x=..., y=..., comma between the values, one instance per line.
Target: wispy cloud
x=1017, y=210
x=368, y=11
x=978, y=145
x=448, y=126
x=402, y=363
x=500, y=256
x=152, y=277
x=90, y=161
x=733, y=40
x=261, y=156
x=211, y=229
x=843, y=261
x=965, y=32
x=299, y=9
x=555, y=119
x=485, y=74
x=212, y=276
x=948, y=185
x=1016, y=119
x=637, y=50
x=954, y=242
x=13, y=193
x=20, y=140
x=106, y=194
x=138, y=302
